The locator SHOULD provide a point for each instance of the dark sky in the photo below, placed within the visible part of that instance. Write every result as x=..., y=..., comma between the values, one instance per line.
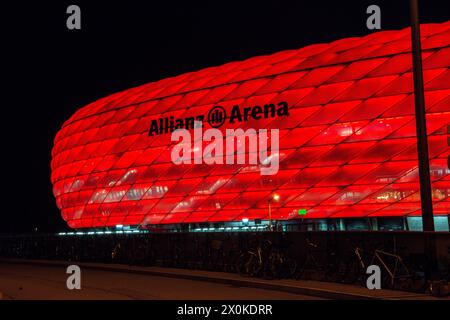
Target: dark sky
x=50, y=71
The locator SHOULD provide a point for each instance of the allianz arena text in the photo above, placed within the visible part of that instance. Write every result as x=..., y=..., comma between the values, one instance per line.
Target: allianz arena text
x=347, y=152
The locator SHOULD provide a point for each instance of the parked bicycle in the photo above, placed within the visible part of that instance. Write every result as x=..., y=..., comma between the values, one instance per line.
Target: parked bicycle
x=394, y=273
x=312, y=267
x=252, y=262
x=266, y=261
x=355, y=268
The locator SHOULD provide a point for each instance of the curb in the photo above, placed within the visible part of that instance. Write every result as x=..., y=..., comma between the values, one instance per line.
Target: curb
x=171, y=273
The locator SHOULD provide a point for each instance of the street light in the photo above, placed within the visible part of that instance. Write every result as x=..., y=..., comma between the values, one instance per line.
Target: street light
x=273, y=197
x=426, y=198
x=421, y=124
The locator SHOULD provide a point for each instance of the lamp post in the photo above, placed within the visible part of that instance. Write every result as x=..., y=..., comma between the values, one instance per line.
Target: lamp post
x=421, y=124
x=273, y=197
x=422, y=145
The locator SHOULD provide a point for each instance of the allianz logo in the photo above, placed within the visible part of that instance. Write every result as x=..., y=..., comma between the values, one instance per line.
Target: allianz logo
x=218, y=116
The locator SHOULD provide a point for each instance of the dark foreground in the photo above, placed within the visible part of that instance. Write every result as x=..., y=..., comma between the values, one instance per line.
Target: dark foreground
x=407, y=260
x=39, y=282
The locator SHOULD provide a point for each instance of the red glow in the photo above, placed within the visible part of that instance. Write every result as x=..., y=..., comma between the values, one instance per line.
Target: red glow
x=348, y=147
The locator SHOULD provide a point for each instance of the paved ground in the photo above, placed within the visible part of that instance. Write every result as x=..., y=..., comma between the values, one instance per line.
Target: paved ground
x=19, y=281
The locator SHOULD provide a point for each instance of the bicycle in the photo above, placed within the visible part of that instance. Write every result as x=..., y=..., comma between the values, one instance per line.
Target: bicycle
x=281, y=266
x=355, y=269
x=256, y=262
x=396, y=274
x=250, y=262
x=311, y=266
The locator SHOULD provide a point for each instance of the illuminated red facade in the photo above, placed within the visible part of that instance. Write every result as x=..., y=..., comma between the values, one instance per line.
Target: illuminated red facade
x=347, y=148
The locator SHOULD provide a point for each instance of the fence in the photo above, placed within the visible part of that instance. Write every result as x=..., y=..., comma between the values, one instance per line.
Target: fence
x=262, y=252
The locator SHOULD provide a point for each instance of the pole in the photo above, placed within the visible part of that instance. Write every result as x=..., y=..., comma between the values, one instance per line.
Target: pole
x=270, y=217
x=421, y=125
x=422, y=147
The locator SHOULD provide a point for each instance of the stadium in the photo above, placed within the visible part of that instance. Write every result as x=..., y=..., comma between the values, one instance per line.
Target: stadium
x=347, y=143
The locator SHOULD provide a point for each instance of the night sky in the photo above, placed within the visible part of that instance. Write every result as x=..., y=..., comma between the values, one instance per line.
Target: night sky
x=50, y=71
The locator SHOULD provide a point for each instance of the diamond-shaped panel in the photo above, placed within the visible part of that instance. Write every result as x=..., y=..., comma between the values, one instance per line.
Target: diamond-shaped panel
x=347, y=147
